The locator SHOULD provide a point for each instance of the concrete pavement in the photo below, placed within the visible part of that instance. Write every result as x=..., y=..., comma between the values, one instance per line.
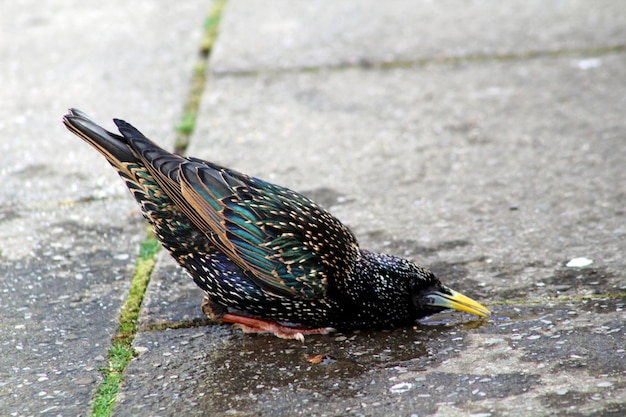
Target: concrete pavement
x=69, y=235
x=486, y=141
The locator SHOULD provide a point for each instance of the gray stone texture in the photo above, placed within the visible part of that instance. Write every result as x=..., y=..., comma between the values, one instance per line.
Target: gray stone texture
x=69, y=232
x=485, y=140
x=259, y=36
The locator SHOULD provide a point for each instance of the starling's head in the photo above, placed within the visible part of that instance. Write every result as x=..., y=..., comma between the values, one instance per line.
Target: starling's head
x=406, y=291
x=431, y=296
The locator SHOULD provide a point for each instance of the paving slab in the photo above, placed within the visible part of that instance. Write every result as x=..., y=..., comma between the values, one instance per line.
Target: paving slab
x=532, y=359
x=108, y=59
x=472, y=172
x=493, y=172
x=69, y=232
x=300, y=34
x=171, y=298
x=60, y=303
x=500, y=169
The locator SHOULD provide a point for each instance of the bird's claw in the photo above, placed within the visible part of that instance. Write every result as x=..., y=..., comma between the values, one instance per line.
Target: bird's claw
x=254, y=325
x=275, y=331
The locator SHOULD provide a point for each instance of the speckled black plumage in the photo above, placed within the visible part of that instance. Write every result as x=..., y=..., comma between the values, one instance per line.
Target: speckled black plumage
x=261, y=249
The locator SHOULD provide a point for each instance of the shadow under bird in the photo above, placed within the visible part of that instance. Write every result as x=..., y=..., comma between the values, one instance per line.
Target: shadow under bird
x=268, y=258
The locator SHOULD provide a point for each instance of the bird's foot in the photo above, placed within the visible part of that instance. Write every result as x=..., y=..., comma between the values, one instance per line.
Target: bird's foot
x=247, y=324
x=253, y=325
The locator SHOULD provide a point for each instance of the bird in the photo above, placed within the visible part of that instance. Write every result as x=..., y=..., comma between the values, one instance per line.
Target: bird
x=268, y=259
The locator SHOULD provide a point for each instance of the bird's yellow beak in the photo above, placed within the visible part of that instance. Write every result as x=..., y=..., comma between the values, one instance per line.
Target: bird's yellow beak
x=457, y=301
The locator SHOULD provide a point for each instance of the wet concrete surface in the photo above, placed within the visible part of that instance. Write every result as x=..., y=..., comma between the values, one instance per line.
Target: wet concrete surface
x=69, y=231
x=526, y=360
x=171, y=297
x=493, y=171
x=60, y=305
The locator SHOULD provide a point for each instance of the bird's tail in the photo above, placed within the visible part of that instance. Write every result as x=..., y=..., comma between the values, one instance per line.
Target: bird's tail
x=131, y=168
x=114, y=147
x=147, y=179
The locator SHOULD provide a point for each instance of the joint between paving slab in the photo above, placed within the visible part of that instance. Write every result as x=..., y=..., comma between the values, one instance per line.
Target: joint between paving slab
x=51, y=204
x=187, y=122
x=558, y=299
x=193, y=323
x=183, y=324
x=365, y=64
x=121, y=351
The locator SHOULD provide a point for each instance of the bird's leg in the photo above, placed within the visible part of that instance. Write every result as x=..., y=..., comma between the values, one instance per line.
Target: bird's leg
x=254, y=325
x=247, y=324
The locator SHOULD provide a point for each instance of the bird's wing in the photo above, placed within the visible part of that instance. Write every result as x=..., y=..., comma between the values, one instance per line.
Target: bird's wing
x=293, y=247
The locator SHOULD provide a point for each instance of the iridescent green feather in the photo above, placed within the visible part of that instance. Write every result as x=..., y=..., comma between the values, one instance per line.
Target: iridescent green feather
x=278, y=251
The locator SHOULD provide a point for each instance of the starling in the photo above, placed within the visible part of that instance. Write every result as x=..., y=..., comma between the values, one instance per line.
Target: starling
x=268, y=258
